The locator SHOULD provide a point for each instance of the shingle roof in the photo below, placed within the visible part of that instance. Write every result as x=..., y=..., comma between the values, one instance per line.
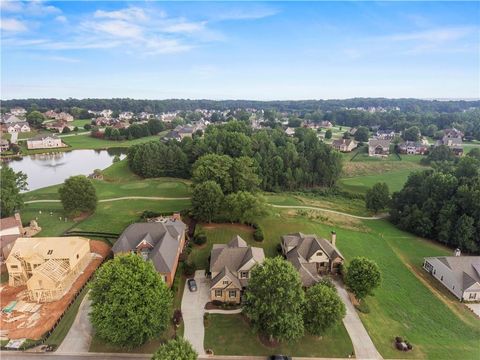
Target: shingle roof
x=164, y=237
x=466, y=269
x=379, y=142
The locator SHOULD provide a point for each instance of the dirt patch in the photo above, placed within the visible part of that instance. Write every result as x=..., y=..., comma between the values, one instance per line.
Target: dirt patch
x=332, y=219
x=49, y=313
x=352, y=168
x=228, y=225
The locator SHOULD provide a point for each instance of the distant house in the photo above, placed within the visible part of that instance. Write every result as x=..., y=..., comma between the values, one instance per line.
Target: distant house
x=413, y=148
x=17, y=127
x=51, y=114
x=4, y=145
x=181, y=132
x=126, y=115
x=230, y=267
x=352, y=131
x=459, y=274
x=452, y=138
x=57, y=126
x=326, y=124
x=107, y=113
x=344, y=145
x=377, y=147
x=44, y=142
x=47, y=266
x=63, y=116
x=385, y=134
x=18, y=111
x=312, y=256
x=290, y=131
x=11, y=119
x=160, y=242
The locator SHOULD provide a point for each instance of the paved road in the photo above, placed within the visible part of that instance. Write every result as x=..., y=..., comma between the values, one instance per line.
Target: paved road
x=79, y=336
x=193, y=308
x=329, y=211
x=114, y=199
x=362, y=343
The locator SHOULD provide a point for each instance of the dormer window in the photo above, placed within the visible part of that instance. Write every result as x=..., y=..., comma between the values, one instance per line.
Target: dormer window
x=49, y=252
x=145, y=253
x=225, y=282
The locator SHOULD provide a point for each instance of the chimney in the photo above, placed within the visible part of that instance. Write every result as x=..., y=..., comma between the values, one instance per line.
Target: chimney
x=334, y=238
x=457, y=252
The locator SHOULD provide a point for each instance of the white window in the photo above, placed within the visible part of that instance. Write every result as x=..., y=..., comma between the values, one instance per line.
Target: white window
x=225, y=282
x=243, y=274
x=218, y=293
x=232, y=293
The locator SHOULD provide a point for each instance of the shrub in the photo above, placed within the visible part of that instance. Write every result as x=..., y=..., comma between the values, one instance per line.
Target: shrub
x=177, y=317
x=398, y=339
x=87, y=127
x=189, y=268
x=327, y=282
x=217, y=303
x=200, y=238
x=258, y=234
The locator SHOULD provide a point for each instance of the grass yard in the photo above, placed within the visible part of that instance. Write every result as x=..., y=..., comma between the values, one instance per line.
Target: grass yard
x=88, y=142
x=65, y=324
x=119, y=172
x=48, y=218
x=232, y=335
x=80, y=123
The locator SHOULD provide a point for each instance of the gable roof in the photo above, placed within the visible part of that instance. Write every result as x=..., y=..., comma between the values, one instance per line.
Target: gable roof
x=226, y=272
x=379, y=142
x=164, y=237
x=465, y=269
x=340, y=142
x=42, y=137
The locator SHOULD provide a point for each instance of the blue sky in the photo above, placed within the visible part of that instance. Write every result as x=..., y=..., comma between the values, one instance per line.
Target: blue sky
x=248, y=50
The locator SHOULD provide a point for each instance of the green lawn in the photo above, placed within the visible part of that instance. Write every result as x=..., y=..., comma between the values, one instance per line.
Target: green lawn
x=88, y=142
x=48, y=218
x=80, y=123
x=360, y=184
x=119, y=172
x=65, y=324
x=232, y=335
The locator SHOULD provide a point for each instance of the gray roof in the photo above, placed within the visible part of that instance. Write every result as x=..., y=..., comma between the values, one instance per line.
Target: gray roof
x=233, y=256
x=466, y=269
x=163, y=237
x=8, y=119
x=304, y=246
x=43, y=136
x=379, y=142
x=340, y=142
x=20, y=123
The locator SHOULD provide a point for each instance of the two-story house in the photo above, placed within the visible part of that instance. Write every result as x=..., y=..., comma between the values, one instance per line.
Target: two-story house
x=311, y=256
x=162, y=243
x=230, y=267
x=344, y=145
x=378, y=147
x=47, y=266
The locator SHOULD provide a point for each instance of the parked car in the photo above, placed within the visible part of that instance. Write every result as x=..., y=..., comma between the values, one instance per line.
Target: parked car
x=192, y=285
x=280, y=357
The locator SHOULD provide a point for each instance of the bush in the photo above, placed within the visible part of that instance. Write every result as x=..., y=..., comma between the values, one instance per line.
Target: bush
x=327, y=282
x=87, y=127
x=258, y=234
x=177, y=317
x=189, y=268
x=398, y=339
x=217, y=303
x=200, y=238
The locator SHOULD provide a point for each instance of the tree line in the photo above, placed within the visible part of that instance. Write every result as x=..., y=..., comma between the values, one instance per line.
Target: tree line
x=442, y=203
x=278, y=161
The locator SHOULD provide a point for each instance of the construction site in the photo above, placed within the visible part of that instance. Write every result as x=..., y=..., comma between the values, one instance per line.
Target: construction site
x=29, y=313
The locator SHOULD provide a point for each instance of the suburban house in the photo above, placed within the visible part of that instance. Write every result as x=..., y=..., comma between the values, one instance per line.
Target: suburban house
x=10, y=119
x=63, y=116
x=10, y=230
x=17, y=127
x=4, y=145
x=312, y=256
x=290, y=131
x=230, y=267
x=126, y=115
x=352, y=131
x=459, y=274
x=18, y=111
x=50, y=114
x=413, y=148
x=181, y=132
x=160, y=242
x=344, y=145
x=57, y=126
x=326, y=124
x=378, y=147
x=44, y=142
x=47, y=266
x=452, y=138
x=385, y=134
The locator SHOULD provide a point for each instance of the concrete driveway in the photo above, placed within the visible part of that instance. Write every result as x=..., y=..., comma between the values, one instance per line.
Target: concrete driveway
x=362, y=343
x=193, y=308
x=79, y=336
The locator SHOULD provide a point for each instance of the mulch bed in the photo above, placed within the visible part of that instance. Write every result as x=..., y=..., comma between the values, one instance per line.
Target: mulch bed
x=211, y=306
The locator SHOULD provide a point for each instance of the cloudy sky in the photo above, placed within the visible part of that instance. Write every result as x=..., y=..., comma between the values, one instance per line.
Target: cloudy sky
x=249, y=50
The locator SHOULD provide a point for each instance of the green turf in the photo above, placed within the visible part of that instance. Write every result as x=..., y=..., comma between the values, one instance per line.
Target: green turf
x=80, y=123
x=48, y=219
x=231, y=335
x=65, y=324
x=88, y=142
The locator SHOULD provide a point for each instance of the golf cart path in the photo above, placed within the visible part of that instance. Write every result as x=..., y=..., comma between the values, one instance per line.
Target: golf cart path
x=113, y=199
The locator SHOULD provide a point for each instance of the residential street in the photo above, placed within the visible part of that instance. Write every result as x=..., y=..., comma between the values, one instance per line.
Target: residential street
x=79, y=336
x=193, y=308
x=362, y=343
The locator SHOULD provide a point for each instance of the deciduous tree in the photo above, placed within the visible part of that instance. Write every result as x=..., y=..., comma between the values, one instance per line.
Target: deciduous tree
x=11, y=184
x=378, y=197
x=176, y=349
x=78, y=195
x=363, y=276
x=207, y=199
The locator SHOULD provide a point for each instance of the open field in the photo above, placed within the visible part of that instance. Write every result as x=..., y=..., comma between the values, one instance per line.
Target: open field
x=88, y=142
x=232, y=335
x=80, y=123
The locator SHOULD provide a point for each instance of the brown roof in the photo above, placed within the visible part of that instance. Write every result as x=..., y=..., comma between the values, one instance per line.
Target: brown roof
x=10, y=222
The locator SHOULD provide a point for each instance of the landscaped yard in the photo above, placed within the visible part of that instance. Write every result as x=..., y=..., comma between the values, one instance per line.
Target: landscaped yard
x=87, y=142
x=232, y=335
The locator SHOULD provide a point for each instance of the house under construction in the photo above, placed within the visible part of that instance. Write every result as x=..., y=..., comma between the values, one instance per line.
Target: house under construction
x=47, y=266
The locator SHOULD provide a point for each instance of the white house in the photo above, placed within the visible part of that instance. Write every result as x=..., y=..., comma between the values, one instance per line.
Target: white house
x=18, y=111
x=459, y=274
x=44, y=142
x=17, y=127
x=290, y=131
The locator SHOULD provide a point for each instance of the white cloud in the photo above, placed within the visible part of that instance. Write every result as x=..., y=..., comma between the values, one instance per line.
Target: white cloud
x=63, y=59
x=128, y=14
x=184, y=27
x=30, y=8
x=250, y=12
x=61, y=18
x=434, y=35
x=114, y=28
x=12, y=25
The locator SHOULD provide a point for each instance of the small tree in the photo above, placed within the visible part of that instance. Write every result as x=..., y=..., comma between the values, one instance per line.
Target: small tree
x=176, y=349
x=363, y=276
x=66, y=130
x=11, y=184
x=274, y=300
x=361, y=134
x=78, y=195
x=35, y=118
x=323, y=309
x=130, y=302
x=328, y=134
x=378, y=197
x=207, y=198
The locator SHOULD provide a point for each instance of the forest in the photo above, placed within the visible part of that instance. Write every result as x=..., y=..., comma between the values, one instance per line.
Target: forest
x=281, y=162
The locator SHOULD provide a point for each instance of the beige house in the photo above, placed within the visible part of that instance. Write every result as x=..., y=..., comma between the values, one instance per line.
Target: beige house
x=230, y=267
x=44, y=142
x=344, y=145
x=312, y=256
x=378, y=147
x=47, y=266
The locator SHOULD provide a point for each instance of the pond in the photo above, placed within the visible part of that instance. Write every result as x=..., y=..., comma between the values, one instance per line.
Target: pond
x=50, y=169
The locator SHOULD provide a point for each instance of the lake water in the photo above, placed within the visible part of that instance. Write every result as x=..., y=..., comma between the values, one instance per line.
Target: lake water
x=50, y=169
